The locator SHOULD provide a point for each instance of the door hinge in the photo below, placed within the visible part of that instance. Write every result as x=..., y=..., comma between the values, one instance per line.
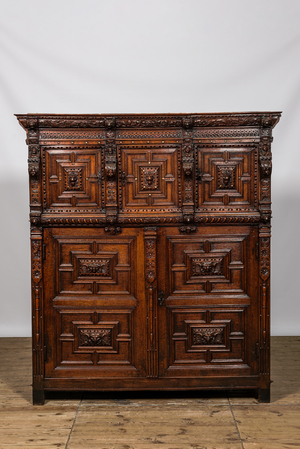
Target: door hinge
x=44, y=251
x=257, y=350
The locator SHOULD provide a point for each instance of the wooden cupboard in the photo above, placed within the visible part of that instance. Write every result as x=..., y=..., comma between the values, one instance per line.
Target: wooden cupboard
x=150, y=249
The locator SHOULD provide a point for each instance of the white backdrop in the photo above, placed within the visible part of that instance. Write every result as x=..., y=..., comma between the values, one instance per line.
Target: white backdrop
x=106, y=56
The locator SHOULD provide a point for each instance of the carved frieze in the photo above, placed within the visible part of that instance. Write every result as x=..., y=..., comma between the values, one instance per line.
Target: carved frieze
x=95, y=337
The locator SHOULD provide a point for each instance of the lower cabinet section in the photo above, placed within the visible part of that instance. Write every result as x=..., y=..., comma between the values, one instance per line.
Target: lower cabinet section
x=151, y=308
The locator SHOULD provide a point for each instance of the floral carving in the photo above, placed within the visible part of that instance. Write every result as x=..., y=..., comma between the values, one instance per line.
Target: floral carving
x=113, y=230
x=36, y=260
x=265, y=258
x=207, y=336
x=150, y=246
x=265, y=190
x=188, y=229
x=111, y=192
x=95, y=337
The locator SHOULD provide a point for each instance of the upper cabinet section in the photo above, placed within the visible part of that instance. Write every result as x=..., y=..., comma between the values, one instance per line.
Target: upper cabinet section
x=135, y=169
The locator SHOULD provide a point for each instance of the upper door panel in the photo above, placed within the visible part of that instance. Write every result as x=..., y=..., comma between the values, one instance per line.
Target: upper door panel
x=228, y=179
x=150, y=179
x=71, y=179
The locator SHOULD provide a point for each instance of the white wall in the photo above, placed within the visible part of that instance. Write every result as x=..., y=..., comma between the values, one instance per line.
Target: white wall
x=106, y=56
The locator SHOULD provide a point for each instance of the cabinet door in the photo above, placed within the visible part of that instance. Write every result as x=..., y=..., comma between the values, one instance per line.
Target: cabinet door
x=71, y=180
x=94, y=307
x=209, y=320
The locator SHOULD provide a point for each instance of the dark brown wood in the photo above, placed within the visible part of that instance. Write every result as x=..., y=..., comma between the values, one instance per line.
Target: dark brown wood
x=150, y=248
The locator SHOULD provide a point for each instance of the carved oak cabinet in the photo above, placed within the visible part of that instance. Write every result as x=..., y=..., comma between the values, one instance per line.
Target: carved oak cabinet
x=150, y=251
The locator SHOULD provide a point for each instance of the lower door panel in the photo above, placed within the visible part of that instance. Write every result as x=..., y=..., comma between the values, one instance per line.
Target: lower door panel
x=94, y=306
x=209, y=320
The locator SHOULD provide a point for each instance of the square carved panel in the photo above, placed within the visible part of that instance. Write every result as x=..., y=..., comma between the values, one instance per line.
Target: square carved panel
x=208, y=336
x=151, y=180
x=94, y=337
x=207, y=265
x=229, y=179
x=70, y=179
x=102, y=266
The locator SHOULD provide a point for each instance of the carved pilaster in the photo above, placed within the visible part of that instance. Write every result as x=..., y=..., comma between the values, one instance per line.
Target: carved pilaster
x=188, y=163
x=111, y=170
x=264, y=305
x=151, y=285
x=37, y=315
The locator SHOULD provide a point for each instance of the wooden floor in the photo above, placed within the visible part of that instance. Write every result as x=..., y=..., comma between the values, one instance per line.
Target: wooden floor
x=221, y=421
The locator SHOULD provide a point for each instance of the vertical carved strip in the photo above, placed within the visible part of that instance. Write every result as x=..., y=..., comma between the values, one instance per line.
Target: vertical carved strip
x=188, y=163
x=111, y=171
x=151, y=285
x=264, y=268
x=37, y=315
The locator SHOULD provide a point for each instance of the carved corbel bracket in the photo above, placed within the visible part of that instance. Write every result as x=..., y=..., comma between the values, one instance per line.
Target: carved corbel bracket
x=35, y=218
x=265, y=157
x=187, y=165
x=265, y=216
x=110, y=166
x=33, y=166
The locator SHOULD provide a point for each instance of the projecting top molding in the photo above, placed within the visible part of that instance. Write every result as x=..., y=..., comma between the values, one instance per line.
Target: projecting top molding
x=109, y=121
